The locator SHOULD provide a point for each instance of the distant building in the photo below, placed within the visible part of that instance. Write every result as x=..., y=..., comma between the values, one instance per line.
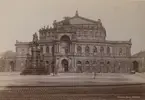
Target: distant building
x=7, y=61
x=80, y=45
x=139, y=61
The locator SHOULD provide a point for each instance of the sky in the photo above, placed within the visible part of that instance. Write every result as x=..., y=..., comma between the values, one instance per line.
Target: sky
x=123, y=19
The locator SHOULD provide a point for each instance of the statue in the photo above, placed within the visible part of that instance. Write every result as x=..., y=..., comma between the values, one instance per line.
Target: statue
x=35, y=38
x=47, y=28
x=54, y=24
x=66, y=49
x=66, y=21
x=99, y=23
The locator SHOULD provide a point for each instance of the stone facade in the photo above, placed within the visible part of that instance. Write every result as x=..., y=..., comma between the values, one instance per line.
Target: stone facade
x=80, y=45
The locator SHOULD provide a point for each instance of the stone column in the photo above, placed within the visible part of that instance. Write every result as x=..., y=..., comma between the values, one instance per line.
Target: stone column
x=58, y=47
x=57, y=65
x=70, y=48
x=127, y=51
x=50, y=49
x=30, y=51
x=44, y=49
x=73, y=47
x=83, y=48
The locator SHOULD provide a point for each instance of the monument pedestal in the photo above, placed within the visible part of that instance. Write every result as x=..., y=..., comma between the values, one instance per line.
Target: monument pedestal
x=35, y=62
x=32, y=71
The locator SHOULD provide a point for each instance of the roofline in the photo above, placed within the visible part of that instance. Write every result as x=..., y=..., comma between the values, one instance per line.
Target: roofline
x=90, y=41
x=22, y=43
x=94, y=21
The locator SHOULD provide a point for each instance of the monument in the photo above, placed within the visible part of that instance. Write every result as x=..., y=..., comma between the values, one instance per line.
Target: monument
x=34, y=63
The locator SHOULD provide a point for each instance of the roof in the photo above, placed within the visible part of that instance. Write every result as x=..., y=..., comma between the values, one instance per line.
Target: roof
x=8, y=54
x=119, y=42
x=139, y=54
x=79, y=20
x=22, y=43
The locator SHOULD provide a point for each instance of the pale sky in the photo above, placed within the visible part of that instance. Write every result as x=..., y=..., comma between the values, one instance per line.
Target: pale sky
x=123, y=19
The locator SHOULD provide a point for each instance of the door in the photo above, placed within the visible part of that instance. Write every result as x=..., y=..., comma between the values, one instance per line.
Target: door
x=65, y=65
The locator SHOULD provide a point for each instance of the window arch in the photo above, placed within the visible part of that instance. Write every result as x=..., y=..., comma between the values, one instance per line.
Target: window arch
x=87, y=62
x=108, y=62
x=47, y=49
x=120, y=51
x=79, y=49
x=87, y=49
x=41, y=49
x=47, y=62
x=79, y=62
x=101, y=49
x=95, y=49
x=108, y=50
x=102, y=63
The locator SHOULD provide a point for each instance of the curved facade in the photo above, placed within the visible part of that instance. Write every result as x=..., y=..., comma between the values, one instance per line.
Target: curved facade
x=79, y=44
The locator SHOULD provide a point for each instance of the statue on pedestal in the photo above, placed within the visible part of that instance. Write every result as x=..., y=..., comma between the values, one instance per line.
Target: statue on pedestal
x=34, y=65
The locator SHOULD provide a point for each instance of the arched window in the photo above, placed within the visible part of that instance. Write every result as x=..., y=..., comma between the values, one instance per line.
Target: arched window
x=108, y=62
x=108, y=50
x=47, y=49
x=87, y=49
x=102, y=63
x=95, y=49
x=102, y=49
x=79, y=62
x=41, y=49
x=120, y=51
x=47, y=62
x=87, y=62
x=79, y=49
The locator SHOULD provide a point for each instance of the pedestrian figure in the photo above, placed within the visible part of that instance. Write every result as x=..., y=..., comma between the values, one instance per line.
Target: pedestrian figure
x=95, y=74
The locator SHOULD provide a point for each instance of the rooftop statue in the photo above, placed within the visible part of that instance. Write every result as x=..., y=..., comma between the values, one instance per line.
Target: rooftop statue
x=77, y=14
x=99, y=23
x=35, y=38
x=66, y=21
x=54, y=24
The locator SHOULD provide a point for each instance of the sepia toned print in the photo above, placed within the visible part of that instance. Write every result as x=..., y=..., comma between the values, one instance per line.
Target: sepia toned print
x=75, y=58
x=77, y=44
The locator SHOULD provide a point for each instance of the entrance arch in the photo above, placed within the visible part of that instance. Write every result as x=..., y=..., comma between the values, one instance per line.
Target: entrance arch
x=65, y=66
x=79, y=67
x=135, y=66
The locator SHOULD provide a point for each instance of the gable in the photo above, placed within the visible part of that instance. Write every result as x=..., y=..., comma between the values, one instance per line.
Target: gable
x=78, y=20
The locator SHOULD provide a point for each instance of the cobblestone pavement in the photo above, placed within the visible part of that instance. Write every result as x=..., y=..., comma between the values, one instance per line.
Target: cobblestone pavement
x=127, y=92
x=72, y=86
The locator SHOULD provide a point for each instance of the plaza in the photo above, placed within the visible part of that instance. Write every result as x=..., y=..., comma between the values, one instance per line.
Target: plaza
x=70, y=79
x=72, y=86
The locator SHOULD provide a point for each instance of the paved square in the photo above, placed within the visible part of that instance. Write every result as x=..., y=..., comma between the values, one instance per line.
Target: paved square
x=69, y=79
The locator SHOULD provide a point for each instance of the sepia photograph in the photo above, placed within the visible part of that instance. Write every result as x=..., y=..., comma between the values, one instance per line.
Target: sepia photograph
x=72, y=49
